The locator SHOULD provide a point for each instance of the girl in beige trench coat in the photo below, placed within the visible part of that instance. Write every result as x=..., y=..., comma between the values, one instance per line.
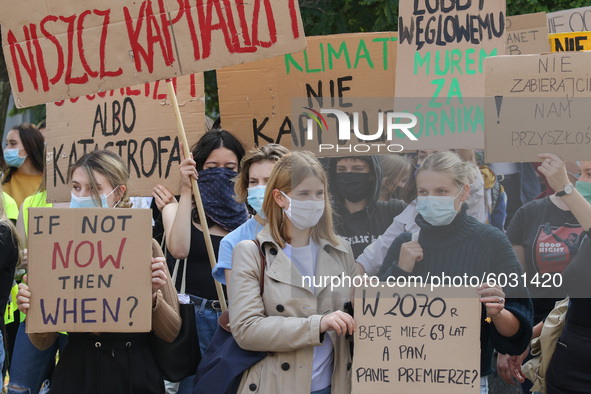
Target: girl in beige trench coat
x=298, y=319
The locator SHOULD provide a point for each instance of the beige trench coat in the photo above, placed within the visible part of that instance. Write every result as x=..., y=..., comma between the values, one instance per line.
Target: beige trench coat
x=286, y=319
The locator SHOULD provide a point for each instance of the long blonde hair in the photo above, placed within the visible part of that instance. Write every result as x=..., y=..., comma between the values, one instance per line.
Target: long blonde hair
x=462, y=172
x=287, y=173
x=108, y=164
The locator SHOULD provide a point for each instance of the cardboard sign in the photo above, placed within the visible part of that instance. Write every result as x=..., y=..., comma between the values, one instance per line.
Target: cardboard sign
x=568, y=21
x=59, y=49
x=527, y=34
x=137, y=122
x=570, y=42
x=440, y=62
x=538, y=104
x=90, y=270
x=256, y=98
x=417, y=340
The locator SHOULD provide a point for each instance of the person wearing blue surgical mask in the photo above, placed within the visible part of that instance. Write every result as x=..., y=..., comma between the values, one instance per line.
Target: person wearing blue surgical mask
x=108, y=362
x=453, y=243
x=24, y=159
x=255, y=169
x=299, y=319
x=93, y=189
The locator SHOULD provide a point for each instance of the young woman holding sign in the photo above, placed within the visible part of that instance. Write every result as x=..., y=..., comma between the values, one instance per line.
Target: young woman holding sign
x=110, y=362
x=454, y=243
x=303, y=326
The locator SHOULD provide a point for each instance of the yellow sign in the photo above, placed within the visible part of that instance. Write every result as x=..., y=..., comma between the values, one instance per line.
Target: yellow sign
x=570, y=42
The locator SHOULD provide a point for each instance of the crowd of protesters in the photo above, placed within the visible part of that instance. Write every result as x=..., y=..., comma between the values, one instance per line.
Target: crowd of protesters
x=418, y=213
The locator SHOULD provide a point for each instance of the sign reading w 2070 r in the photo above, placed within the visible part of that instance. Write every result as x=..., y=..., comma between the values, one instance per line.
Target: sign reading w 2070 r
x=57, y=49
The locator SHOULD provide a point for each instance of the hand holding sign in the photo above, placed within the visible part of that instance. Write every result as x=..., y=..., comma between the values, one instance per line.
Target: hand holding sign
x=188, y=170
x=339, y=321
x=554, y=170
x=23, y=299
x=158, y=276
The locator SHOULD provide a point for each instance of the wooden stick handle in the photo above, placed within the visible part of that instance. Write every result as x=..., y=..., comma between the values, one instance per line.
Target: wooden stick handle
x=196, y=194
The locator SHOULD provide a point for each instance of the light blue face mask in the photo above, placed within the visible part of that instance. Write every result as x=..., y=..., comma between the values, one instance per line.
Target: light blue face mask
x=89, y=202
x=12, y=158
x=256, y=196
x=437, y=210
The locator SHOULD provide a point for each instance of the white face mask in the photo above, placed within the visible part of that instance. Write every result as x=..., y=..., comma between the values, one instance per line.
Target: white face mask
x=305, y=214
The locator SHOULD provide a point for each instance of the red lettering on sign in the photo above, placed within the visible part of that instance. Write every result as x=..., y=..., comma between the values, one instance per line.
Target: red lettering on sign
x=58, y=250
x=60, y=53
x=106, y=20
x=293, y=14
x=29, y=65
x=116, y=263
x=40, y=61
x=154, y=35
x=69, y=79
x=80, y=29
x=270, y=24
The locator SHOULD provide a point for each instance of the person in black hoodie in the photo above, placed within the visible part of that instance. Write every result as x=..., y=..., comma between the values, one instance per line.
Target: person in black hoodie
x=355, y=186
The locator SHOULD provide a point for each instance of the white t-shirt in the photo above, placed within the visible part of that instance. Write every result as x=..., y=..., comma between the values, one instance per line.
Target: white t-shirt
x=305, y=259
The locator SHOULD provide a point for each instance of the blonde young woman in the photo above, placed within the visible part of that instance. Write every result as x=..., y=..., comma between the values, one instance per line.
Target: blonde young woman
x=299, y=321
x=123, y=363
x=452, y=242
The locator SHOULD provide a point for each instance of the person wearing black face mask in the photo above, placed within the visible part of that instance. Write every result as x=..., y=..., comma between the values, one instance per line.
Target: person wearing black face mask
x=355, y=187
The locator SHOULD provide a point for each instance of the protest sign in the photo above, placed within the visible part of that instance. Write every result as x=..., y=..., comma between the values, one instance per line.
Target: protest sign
x=570, y=42
x=86, y=273
x=440, y=63
x=59, y=49
x=256, y=98
x=538, y=104
x=527, y=34
x=567, y=21
x=417, y=340
x=137, y=122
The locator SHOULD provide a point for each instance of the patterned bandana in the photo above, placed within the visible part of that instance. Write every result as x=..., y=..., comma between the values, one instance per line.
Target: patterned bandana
x=216, y=186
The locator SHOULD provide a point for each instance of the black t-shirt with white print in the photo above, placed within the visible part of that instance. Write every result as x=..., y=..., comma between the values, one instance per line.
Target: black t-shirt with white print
x=550, y=237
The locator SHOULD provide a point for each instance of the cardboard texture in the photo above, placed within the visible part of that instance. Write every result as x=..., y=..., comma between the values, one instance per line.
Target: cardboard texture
x=138, y=123
x=440, y=60
x=417, y=340
x=256, y=98
x=570, y=42
x=538, y=104
x=59, y=49
x=527, y=34
x=86, y=273
x=567, y=21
